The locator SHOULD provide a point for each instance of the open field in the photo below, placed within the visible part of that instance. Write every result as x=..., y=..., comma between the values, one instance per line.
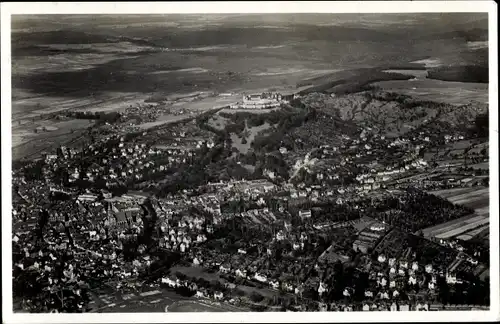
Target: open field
x=420, y=74
x=463, y=227
x=28, y=143
x=164, y=120
x=467, y=227
x=457, y=93
x=218, y=122
x=28, y=106
x=45, y=129
x=149, y=301
x=251, y=132
x=476, y=199
x=202, y=306
x=253, y=111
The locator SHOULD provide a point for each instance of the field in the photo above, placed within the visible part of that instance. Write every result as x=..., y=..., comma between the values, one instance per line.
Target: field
x=202, y=306
x=108, y=64
x=457, y=93
x=467, y=227
x=251, y=132
x=145, y=299
x=33, y=138
x=420, y=74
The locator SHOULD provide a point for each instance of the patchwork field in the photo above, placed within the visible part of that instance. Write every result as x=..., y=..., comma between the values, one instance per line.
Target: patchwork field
x=33, y=138
x=457, y=93
x=467, y=227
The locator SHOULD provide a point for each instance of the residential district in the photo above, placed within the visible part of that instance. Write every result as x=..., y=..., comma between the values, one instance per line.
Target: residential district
x=293, y=208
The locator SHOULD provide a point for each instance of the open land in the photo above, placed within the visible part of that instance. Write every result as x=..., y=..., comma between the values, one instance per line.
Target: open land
x=467, y=227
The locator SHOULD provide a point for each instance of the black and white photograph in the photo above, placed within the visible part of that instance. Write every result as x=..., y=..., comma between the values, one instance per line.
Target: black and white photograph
x=309, y=161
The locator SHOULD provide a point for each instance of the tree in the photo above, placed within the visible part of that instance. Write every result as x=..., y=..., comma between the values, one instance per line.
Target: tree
x=444, y=290
x=256, y=297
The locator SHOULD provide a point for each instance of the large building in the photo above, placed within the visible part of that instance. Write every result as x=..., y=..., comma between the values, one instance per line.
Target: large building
x=260, y=101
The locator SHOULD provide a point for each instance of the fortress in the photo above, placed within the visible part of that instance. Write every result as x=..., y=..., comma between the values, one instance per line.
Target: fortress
x=264, y=100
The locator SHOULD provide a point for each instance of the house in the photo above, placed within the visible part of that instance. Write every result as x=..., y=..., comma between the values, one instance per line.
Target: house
x=169, y=282
x=361, y=246
x=382, y=258
x=224, y=269
x=428, y=268
x=395, y=294
x=286, y=286
x=414, y=266
x=412, y=280
x=394, y=307
x=280, y=236
x=305, y=214
x=321, y=289
x=451, y=278
x=260, y=278
x=392, y=284
x=299, y=290
x=422, y=307
x=218, y=295
x=366, y=307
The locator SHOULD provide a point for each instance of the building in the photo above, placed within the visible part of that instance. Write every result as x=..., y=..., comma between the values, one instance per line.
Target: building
x=305, y=214
x=261, y=101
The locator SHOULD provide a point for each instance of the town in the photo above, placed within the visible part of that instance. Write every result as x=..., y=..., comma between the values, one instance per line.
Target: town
x=309, y=205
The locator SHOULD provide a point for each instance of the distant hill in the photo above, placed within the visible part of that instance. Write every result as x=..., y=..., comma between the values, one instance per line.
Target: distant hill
x=469, y=35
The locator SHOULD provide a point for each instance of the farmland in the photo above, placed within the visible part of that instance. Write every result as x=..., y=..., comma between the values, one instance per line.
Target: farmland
x=467, y=227
x=32, y=139
x=456, y=93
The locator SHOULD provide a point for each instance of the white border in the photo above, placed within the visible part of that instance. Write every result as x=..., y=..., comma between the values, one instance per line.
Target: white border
x=8, y=9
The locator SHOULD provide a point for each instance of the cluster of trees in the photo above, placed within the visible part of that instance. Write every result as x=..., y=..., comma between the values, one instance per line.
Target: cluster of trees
x=419, y=208
x=481, y=126
x=468, y=73
x=253, y=120
x=195, y=174
x=405, y=101
x=34, y=171
x=99, y=116
x=359, y=82
x=470, y=292
x=278, y=137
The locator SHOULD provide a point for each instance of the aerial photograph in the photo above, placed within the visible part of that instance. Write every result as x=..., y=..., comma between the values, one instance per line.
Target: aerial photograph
x=329, y=162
